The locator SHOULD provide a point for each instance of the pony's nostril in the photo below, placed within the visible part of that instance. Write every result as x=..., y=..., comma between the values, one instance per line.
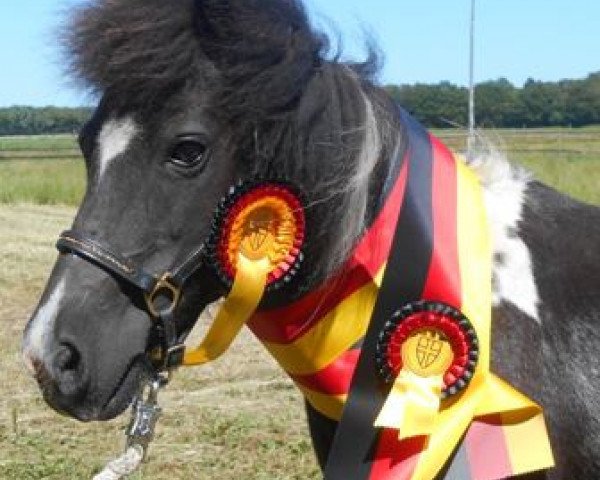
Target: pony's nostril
x=69, y=375
x=67, y=358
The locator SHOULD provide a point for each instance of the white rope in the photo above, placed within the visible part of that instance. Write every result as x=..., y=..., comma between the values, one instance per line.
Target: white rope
x=125, y=465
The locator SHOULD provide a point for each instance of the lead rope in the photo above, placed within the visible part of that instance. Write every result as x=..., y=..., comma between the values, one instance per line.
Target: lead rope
x=122, y=466
x=145, y=412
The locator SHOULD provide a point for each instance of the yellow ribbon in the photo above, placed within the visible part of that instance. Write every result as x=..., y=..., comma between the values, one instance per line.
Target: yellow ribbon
x=246, y=293
x=412, y=405
x=261, y=237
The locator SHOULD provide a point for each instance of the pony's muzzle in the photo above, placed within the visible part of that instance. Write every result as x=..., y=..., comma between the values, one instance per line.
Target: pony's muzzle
x=62, y=376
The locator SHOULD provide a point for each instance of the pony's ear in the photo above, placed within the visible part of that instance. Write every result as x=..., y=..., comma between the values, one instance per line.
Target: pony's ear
x=251, y=30
x=261, y=47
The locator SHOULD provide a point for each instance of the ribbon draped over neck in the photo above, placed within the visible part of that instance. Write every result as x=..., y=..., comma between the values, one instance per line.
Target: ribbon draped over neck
x=410, y=432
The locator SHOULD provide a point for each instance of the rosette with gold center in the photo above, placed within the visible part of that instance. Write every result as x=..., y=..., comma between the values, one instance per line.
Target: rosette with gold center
x=264, y=220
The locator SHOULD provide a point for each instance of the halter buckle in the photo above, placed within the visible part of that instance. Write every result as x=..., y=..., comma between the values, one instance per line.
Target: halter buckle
x=164, y=288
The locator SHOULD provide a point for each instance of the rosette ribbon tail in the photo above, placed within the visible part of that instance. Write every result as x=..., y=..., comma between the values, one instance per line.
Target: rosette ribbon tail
x=412, y=405
x=243, y=300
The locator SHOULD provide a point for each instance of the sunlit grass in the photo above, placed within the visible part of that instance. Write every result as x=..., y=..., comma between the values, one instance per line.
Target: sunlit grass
x=39, y=142
x=565, y=158
x=575, y=174
x=43, y=182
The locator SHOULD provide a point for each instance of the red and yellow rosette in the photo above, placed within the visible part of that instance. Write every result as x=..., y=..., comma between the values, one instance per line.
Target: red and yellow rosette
x=429, y=350
x=256, y=244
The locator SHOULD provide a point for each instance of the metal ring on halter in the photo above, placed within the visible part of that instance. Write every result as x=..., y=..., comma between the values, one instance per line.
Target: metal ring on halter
x=161, y=294
x=164, y=285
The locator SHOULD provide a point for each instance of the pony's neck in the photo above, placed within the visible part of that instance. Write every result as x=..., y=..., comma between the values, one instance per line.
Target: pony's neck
x=346, y=133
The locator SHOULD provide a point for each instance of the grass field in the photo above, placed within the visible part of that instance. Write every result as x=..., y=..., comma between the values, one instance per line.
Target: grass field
x=46, y=143
x=43, y=181
x=567, y=159
x=239, y=418
x=47, y=170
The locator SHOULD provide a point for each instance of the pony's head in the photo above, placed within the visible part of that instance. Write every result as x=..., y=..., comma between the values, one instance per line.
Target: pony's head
x=195, y=95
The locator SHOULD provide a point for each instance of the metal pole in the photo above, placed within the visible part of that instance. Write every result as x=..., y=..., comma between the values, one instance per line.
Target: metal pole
x=471, y=137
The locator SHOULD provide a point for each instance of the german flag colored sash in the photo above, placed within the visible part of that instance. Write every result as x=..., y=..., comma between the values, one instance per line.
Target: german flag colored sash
x=396, y=347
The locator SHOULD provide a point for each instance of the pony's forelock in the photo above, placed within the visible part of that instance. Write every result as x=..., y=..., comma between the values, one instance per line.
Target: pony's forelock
x=295, y=113
x=137, y=51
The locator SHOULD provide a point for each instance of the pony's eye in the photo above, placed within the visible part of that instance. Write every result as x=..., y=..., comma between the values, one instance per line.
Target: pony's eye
x=188, y=154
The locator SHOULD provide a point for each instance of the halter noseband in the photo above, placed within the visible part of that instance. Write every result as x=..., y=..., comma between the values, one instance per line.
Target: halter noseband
x=254, y=247
x=162, y=294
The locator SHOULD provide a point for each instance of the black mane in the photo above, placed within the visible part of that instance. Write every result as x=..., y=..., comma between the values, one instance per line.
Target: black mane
x=142, y=51
x=295, y=112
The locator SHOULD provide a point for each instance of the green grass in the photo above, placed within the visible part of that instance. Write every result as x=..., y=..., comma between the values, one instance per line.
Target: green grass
x=575, y=174
x=39, y=142
x=43, y=182
x=567, y=159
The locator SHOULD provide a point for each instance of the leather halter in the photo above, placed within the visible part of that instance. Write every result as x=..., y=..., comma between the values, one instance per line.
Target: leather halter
x=162, y=294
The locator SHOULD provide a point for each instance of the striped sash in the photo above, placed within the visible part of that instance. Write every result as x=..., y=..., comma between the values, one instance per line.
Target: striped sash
x=428, y=242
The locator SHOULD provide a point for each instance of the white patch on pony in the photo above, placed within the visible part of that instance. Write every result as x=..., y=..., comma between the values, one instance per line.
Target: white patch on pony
x=113, y=140
x=353, y=218
x=371, y=148
x=504, y=190
x=41, y=326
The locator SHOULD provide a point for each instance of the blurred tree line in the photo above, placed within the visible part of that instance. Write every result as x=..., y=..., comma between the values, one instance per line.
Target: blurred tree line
x=498, y=103
x=46, y=120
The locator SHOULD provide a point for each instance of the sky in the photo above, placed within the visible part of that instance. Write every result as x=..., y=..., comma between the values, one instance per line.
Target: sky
x=422, y=41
